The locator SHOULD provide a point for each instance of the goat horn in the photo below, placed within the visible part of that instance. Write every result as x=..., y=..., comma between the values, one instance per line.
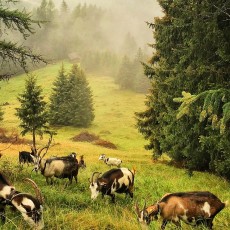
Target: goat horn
x=144, y=205
x=93, y=176
x=137, y=208
x=37, y=190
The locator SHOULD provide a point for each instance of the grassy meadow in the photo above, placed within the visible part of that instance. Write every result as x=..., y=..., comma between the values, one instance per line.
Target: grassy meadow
x=70, y=207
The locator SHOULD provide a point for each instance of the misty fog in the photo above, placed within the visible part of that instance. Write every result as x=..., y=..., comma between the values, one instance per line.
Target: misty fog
x=120, y=18
x=103, y=34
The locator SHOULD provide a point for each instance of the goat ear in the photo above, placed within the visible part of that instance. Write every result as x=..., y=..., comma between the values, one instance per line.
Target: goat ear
x=102, y=183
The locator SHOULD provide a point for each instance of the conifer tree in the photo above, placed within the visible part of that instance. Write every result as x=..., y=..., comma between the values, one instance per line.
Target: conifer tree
x=71, y=101
x=191, y=54
x=125, y=77
x=64, y=7
x=42, y=13
x=141, y=82
x=59, y=99
x=32, y=113
x=11, y=53
x=82, y=103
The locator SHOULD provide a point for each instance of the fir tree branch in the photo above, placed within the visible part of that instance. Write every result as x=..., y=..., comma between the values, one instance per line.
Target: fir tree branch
x=18, y=54
x=16, y=20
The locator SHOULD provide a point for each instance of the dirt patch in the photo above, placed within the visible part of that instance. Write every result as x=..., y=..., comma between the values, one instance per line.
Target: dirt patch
x=94, y=139
x=85, y=136
x=105, y=144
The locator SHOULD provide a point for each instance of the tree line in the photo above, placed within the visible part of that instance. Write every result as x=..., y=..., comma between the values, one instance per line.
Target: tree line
x=90, y=43
x=187, y=111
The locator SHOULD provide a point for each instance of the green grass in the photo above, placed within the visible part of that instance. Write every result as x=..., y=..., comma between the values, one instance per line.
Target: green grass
x=71, y=207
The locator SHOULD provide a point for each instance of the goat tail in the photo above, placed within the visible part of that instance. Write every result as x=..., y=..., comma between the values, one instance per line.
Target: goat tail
x=134, y=170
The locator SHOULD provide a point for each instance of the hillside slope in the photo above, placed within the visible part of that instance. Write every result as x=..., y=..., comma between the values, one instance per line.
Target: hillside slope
x=71, y=207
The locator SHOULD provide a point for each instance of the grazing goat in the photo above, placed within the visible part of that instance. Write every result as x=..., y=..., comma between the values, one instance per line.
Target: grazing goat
x=110, y=161
x=26, y=157
x=191, y=207
x=115, y=180
x=60, y=167
x=29, y=206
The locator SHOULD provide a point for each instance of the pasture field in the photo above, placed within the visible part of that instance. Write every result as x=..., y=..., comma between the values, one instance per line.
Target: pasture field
x=70, y=207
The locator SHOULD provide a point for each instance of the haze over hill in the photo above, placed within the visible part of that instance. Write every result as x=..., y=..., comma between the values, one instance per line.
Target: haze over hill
x=128, y=16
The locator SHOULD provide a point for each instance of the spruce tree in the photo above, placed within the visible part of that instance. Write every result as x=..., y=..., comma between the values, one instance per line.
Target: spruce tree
x=59, y=99
x=32, y=113
x=71, y=101
x=191, y=54
x=81, y=104
x=12, y=53
x=125, y=77
x=141, y=82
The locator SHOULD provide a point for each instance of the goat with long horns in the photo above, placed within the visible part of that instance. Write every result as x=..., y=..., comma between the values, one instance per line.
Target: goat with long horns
x=30, y=207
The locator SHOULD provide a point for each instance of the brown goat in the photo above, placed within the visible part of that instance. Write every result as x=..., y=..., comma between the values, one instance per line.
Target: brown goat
x=191, y=207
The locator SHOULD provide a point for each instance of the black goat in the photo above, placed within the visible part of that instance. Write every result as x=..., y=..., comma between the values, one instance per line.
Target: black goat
x=26, y=157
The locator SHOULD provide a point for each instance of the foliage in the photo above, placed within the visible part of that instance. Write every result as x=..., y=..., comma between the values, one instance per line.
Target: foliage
x=125, y=74
x=58, y=99
x=130, y=74
x=129, y=45
x=193, y=57
x=71, y=101
x=103, y=62
x=32, y=112
x=64, y=21
x=214, y=116
x=11, y=52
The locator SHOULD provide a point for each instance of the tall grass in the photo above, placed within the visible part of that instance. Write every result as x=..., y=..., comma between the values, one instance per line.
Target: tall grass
x=70, y=207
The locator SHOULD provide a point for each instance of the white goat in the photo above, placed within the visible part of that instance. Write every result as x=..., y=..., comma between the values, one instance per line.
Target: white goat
x=110, y=161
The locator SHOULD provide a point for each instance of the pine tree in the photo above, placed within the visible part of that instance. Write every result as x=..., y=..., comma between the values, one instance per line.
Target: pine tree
x=11, y=53
x=64, y=8
x=32, y=113
x=82, y=103
x=125, y=77
x=42, y=13
x=71, y=101
x=129, y=45
x=59, y=99
x=194, y=57
x=141, y=82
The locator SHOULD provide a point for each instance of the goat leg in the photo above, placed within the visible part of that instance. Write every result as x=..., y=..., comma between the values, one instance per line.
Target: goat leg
x=177, y=223
x=209, y=224
x=164, y=223
x=113, y=197
x=2, y=213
